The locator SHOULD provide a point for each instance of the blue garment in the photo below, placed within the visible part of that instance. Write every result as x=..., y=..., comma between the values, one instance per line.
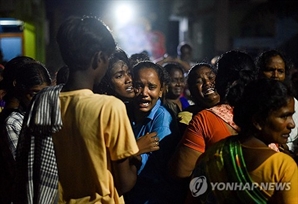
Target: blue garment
x=2, y=103
x=153, y=184
x=158, y=120
x=184, y=102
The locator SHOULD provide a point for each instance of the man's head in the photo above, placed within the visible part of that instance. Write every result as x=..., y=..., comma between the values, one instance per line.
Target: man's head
x=185, y=52
x=82, y=41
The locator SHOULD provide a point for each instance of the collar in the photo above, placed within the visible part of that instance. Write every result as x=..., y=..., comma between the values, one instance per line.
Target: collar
x=154, y=109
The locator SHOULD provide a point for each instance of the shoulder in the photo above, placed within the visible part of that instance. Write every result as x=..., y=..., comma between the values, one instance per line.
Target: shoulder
x=281, y=165
x=204, y=115
x=281, y=158
x=106, y=103
x=277, y=162
x=97, y=100
x=14, y=117
x=163, y=113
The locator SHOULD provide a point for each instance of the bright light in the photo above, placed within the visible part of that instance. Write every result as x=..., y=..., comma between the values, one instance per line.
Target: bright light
x=11, y=22
x=124, y=13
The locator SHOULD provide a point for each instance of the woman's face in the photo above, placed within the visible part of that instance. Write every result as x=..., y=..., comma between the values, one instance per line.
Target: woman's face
x=27, y=95
x=278, y=125
x=275, y=69
x=121, y=80
x=203, y=89
x=176, y=85
x=148, y=89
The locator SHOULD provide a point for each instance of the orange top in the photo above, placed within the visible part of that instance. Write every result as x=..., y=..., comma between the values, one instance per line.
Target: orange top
x=206, y=128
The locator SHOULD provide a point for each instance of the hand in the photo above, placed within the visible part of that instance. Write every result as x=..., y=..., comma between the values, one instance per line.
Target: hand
x=148, y=143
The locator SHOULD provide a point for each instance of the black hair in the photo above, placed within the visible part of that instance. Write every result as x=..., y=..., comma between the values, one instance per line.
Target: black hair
x=259, y=98
x=26, y=76
x=105, y=86
x=234, y=70
x=173, y=66
x=32, y=74
x=79, y=39
x=136, y=58
x=182, y=46
x=266, y=56
x=11, y=71
x=192, y=75
x=163, y=77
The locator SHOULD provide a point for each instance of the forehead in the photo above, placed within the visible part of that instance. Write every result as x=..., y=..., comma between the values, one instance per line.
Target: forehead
x=119, y=66
x=147, y=73
x=288, y=108
x=276, y=60
x=176, y=72
x=203, y=71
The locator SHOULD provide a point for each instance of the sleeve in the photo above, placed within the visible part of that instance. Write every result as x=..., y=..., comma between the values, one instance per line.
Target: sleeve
x=194, y=134
x=145, y=158
x=120, y=138
x=287, y=169
x=161, y=124
x=13, y=129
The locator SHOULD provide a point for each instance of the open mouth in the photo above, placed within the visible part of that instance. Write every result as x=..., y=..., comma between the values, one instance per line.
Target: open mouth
x=208, y=91
x=144, y=104
x=129, y=89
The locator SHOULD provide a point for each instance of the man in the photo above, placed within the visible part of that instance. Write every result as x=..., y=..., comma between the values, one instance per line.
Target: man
x=94, y=143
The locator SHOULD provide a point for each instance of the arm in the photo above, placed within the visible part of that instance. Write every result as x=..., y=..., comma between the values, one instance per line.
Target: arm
x=183, y=162
x=124, y=174
x=122, y=147
x=13, y=129
x=189, y=149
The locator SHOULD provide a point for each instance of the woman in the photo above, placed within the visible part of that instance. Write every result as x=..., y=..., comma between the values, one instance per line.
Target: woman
x=174, y=100
x=118, y=82
x=273, y=64
x=235, y=70
x=264, y=115
x=21, y=85
x=201, y=84
x=23, y=78
x=149, y=116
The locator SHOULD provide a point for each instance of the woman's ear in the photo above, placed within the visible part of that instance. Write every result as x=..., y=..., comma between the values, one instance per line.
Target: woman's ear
x=160, y=92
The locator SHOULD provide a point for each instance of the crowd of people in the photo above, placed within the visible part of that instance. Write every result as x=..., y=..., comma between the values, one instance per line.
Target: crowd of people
x=113, y=128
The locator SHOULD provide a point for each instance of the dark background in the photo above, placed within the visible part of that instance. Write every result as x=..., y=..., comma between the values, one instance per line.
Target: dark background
x=210, y=26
